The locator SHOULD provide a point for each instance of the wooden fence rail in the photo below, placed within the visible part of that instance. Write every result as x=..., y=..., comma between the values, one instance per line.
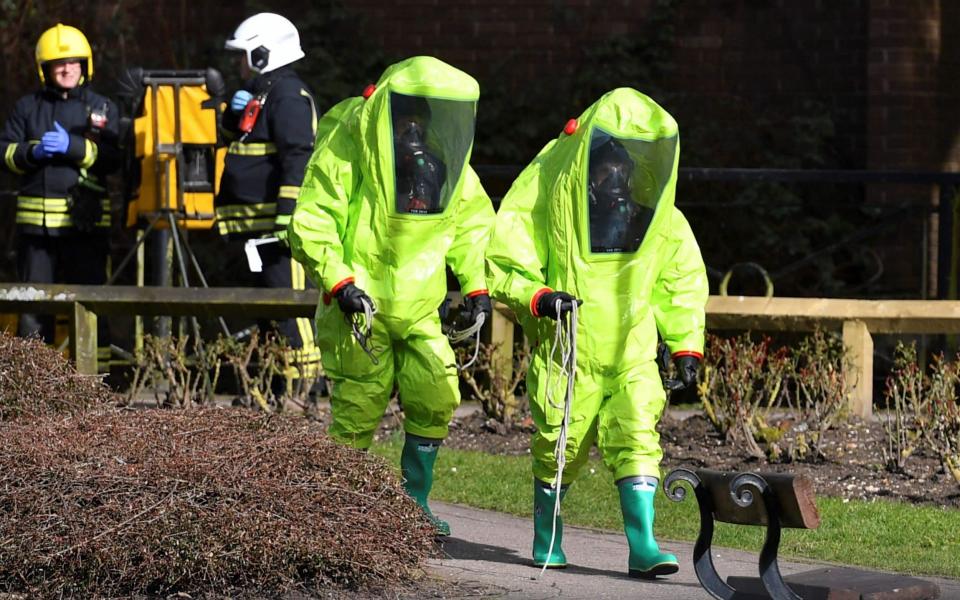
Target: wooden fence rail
x=856, y=319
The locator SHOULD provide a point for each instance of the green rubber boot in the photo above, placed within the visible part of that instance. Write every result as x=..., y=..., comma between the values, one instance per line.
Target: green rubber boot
x=416, y=466
x=636, y=501
x=543, y=504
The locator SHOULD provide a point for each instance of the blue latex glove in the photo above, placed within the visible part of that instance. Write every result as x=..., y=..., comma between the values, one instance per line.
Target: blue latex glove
x=56, y=141
x=39, y=153
x=239, y=100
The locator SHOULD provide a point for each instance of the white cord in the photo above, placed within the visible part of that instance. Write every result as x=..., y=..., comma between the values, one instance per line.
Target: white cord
x=456, y=337
x=566, y=340
x=363, y=337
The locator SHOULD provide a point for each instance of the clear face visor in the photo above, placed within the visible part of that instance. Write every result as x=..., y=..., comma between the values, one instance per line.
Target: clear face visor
x=626, y=178
x=431, y=139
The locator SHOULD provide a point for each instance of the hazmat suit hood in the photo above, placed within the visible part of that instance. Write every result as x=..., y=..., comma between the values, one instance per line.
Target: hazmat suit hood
x=389, y=200
x=418, y=127
x=593, y=215
x=621, y=165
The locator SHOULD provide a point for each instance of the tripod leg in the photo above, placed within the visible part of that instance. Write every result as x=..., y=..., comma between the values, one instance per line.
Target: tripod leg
x=184, y=275
x=203, y=280
x=175, y=232
x=133, y=251
x=182, y=247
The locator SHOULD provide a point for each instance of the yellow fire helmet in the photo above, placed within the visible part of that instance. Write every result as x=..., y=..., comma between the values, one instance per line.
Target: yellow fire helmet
x=63, y=41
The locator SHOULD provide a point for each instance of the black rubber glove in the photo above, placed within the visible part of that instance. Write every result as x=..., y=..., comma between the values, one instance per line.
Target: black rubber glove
x=349, y=298
x=547, y=304
x=474, y=306
x=688, y=369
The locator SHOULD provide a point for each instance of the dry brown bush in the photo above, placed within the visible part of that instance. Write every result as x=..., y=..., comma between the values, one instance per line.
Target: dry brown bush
x=36, y=380
x=113, y=503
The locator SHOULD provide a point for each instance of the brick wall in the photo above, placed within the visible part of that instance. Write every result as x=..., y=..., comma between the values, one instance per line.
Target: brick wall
x=729, y=56
x=887, y=67
x=884, y=71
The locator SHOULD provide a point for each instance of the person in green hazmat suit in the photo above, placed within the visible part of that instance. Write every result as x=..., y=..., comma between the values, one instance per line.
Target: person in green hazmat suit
x=592, y=222
x=388, y=201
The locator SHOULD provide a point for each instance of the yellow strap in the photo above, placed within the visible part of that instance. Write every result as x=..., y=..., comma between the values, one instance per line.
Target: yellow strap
x=240, y=211
x=56, y=205
x=244, y=225
x=313, y=111
x=57, y=221
x=25, y=218
x=35, y=204
x=11, y=163
x=252, y=149
x=90, y=153
x=61, y=222
x=308, y=355
x=54, y=212
x=289, y=191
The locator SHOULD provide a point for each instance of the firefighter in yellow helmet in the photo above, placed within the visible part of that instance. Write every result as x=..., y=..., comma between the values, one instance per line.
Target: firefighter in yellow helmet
x=62, y=142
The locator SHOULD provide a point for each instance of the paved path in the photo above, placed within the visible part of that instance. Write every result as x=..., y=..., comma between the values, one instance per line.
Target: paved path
x=493, y=550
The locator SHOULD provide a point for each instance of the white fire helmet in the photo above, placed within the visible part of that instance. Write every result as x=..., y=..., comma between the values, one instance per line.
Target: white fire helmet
x=269, y=40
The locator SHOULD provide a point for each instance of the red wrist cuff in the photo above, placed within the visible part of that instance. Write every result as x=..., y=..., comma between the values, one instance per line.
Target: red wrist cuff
x=478, y=293
x=340, y=284
x=536, y=297
x=680, y=353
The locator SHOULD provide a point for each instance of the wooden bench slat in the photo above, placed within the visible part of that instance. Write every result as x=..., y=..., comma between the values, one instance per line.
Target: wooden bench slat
x=794, y=493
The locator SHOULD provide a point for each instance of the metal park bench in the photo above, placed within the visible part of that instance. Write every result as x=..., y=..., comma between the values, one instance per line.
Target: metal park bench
x=776, y=500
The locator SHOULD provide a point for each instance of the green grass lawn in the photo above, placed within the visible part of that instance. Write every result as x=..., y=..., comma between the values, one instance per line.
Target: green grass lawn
x=884, y=535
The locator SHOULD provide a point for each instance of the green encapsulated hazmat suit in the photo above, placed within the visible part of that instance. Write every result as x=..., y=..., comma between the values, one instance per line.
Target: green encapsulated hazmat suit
x=593, y=215
x=388, y=201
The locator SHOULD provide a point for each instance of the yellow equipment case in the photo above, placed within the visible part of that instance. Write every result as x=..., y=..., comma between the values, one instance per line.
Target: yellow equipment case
x=178, y=164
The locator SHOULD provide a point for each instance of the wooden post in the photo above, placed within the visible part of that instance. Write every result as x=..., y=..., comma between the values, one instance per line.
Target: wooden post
x=858, y=367
x=83, y=339
x=501, y=334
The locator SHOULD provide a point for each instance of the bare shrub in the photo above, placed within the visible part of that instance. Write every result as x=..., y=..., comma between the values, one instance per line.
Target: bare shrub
x=490, y=385
x=260, y=362
x=190, y=378
x=817, y=394
x=941, y=427
x=924, y=412
x=181, y=378
x=35, y=380
x=742, y=381
x=906, y=400
x=108, y=504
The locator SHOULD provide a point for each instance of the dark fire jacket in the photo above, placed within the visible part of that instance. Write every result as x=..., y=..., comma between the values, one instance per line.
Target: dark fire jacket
x=264, y=168
x=49, y=200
